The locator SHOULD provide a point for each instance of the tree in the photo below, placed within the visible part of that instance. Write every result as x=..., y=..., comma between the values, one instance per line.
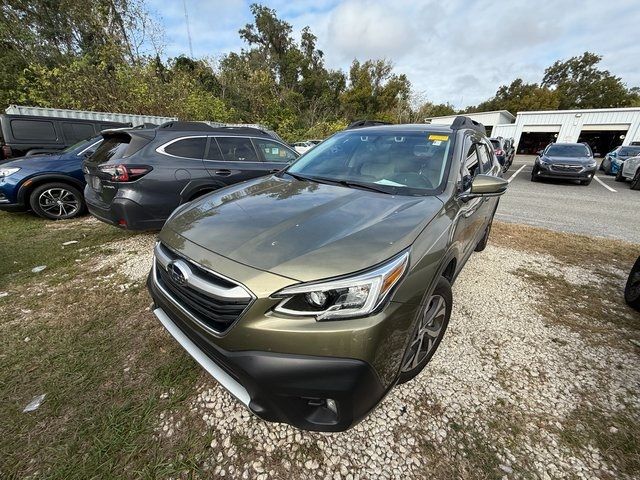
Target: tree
x=520, y=96
x=579, y=83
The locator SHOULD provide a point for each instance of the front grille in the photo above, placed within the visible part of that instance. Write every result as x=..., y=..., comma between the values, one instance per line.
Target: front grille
x=215, y=313
x=566, y=168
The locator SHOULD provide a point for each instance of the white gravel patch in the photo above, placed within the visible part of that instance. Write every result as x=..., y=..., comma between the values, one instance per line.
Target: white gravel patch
x=133, y=257
x=502, y=383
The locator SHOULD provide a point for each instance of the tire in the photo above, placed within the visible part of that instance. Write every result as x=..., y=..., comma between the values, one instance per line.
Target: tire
x=45, y=201
x=586, y=182
x=619, y=177
x=635, y=183
x=433, y=314
x=534, y=176
x=632, y=289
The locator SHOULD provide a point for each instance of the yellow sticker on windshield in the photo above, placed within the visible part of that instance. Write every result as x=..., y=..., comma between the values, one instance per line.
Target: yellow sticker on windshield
x=439, y=138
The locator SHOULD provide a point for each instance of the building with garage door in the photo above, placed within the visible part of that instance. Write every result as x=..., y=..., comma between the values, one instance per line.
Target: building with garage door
x=603, y=129
x=489, y=119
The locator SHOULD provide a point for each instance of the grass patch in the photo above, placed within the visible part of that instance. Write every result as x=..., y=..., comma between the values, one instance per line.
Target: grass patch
x=573, y=249
x=100, y=357
x=615, y=434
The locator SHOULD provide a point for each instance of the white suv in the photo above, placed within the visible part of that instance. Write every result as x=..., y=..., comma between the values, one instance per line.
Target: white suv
x=630, y=170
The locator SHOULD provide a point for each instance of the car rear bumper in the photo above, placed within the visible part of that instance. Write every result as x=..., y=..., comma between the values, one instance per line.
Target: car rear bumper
x=309, y=392
x=121, y=212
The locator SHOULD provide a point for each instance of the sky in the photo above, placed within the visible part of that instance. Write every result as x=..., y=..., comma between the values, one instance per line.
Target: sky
x=455, y=51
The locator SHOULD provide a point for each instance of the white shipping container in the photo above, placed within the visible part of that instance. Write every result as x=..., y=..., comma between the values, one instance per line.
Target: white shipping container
x=135, y=120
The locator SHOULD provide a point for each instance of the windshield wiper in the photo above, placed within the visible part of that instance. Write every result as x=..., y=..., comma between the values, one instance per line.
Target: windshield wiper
x=298, y=177
x=350, y=184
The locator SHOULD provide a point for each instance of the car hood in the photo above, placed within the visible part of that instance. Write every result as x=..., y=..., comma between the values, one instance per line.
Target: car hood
x=304, y=230
x=33, y=163
x=568, y=160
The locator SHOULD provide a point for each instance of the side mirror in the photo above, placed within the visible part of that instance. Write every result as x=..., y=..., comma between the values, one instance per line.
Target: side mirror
x=539, y=152
x=88, y=153
x=485, y=186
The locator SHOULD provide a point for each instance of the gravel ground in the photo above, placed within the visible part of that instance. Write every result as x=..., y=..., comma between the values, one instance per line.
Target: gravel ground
x=494, y=401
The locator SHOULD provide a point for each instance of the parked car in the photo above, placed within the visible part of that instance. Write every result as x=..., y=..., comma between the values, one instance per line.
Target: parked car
x=137, y=177
x=25, y=135
x=49, y=185
x=503, y=152
x=630, y=170
x=310, y=293
x=303, y=147
x=567, y=161
x=632, y=289
x=614, y=159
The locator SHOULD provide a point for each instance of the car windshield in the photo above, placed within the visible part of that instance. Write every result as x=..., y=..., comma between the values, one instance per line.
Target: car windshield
x=568, y=151
x=629, y=151
x=86, y=142
x=405, y=163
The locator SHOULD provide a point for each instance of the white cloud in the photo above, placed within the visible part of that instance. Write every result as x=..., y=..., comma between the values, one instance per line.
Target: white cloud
x=456, y=51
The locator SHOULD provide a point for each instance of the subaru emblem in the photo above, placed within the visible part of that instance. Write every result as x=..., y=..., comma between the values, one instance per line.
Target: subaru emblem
x=176, y=274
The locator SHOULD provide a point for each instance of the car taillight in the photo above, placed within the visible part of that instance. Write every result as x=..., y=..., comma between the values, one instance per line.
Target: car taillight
x=125, y=173
x=499, y=152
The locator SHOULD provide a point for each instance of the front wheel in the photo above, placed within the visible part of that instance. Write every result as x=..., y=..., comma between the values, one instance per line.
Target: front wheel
x=57, y=201
x=428, y=332
x=619, y=177
x=585, y=182
x=632, y=289
x=635, y=183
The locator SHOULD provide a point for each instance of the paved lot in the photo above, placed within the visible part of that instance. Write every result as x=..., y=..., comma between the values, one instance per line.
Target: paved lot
x=565, y=206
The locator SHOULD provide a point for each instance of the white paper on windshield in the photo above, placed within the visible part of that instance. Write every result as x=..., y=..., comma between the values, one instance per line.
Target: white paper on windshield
x=384, y=181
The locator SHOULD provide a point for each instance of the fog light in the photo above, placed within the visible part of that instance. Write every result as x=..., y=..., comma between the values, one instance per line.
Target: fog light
x=331, y=405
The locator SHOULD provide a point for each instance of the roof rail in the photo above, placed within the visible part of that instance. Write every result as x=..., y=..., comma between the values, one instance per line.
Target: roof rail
x=217, y=127
x=462, y=121
x=366, y=123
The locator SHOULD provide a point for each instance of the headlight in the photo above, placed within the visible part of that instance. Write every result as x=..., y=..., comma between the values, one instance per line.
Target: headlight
x=591, y=164
x=344, y=297
x=5, y=172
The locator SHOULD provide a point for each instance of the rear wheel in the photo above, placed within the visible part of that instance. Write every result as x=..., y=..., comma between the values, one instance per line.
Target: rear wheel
x=632, y=289
x=428, y=332
x=635, y=183
x=57, y=201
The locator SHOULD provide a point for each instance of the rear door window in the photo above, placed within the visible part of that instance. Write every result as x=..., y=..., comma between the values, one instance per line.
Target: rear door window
x=193, y=147
x=237, y=149
x=33, y=130
x=274, y=152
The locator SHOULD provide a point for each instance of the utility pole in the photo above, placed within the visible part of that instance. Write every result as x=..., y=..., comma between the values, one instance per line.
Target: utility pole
x=186, y=19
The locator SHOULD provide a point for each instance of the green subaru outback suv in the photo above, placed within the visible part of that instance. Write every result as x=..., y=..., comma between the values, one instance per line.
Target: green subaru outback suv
x=310, y=293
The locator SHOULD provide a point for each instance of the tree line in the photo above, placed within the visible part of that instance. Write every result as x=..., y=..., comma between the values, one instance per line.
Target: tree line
x=106, y=55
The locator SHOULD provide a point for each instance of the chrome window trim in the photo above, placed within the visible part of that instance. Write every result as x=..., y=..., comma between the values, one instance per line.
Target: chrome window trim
x=92, y=145
x=161, y=148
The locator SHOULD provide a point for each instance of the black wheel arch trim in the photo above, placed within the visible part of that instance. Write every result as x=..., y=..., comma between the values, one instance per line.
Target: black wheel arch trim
x=197, y=186
x=25, y=190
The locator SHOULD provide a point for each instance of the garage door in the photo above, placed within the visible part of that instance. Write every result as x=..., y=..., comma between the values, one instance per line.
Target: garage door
x=603, y=138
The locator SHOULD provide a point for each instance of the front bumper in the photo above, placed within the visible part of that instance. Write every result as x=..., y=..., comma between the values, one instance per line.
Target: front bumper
x=310, y=392
x=548, y=171
x=121, y=212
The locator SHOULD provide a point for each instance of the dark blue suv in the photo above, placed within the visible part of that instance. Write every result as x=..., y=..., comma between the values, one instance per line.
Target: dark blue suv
x=50, y=185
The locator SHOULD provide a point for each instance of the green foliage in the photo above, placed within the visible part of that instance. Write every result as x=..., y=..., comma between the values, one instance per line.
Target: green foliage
x=581, y=84
x=92, y=55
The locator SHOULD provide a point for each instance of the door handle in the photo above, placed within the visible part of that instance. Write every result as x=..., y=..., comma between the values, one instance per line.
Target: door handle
x=275, y=170
x=223, y=173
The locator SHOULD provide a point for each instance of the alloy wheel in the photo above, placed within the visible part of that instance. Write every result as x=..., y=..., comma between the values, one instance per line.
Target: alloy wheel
x=426, y=337
x=59, y=202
